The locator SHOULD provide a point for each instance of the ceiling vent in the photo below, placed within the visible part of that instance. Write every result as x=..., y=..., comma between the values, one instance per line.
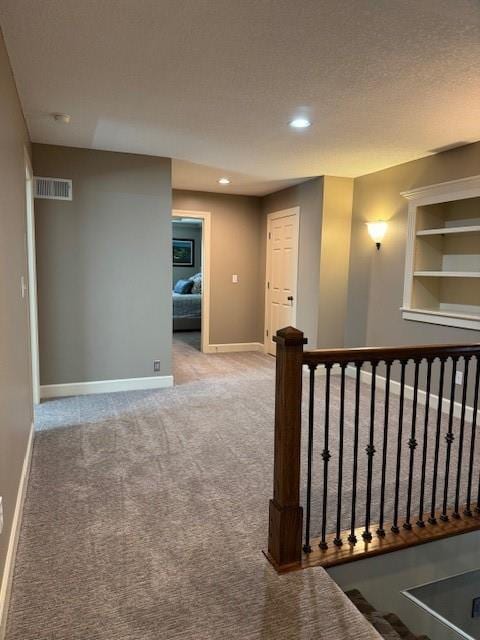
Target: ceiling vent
x=53, y=188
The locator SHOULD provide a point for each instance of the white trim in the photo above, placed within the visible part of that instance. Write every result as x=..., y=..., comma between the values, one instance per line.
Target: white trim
x=32, y=278
x=7, y=578
x=294, y=211
x=105, y=386
x=395, y=387
x=205, y=216
x=445, y=318
x=451, y=190
x=234, y=347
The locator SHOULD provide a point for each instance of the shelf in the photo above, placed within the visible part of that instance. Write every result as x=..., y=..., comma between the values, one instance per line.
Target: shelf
x=447, y=274
x=449, y=230
x=442, y=264
x=445, y=318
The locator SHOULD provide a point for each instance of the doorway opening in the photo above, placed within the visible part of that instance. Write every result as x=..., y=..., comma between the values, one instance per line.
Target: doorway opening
x=191, y=278
x=281, y=273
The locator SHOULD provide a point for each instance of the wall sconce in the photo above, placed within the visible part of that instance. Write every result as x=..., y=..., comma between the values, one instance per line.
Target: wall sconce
x=377, y=231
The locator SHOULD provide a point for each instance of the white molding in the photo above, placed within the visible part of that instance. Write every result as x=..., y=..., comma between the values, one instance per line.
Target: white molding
x=395, y=387
x=293, y=211
x=32, y=276
x=7, y=578
x=205, y=216
x=445, y=318
x=233, y=347
x=104, y=386
x=453, y=189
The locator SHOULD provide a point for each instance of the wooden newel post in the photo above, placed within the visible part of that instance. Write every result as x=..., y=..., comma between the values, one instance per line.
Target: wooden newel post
x=285, y=512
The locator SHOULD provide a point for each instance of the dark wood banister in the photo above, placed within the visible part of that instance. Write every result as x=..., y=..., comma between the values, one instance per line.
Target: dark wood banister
x=387, y=354
x=285, y=510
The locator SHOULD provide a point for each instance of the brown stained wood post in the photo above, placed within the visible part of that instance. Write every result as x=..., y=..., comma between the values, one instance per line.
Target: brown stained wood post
x=285, y=513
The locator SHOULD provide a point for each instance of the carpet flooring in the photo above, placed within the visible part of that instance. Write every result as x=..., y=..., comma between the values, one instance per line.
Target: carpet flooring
x=146, y=514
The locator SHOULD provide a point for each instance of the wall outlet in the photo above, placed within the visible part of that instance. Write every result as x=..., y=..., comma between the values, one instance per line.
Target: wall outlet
x=156, y=365
x=1, y=514
x=459, y=377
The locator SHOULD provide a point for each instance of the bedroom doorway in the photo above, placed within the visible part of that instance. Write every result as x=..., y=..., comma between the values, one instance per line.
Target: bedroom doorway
x=191, y=278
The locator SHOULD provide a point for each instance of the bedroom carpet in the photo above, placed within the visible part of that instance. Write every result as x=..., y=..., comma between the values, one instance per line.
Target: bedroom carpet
x=146, y=514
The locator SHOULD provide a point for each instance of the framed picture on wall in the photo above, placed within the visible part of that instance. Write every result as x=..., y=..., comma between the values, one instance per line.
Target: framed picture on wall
x=183, y=252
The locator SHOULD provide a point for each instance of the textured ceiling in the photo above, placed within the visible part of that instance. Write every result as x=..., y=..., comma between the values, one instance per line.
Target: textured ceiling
x=213, y=83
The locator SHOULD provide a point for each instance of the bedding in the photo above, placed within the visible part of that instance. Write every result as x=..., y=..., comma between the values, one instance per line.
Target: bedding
x=183, y=286
x=187, y=305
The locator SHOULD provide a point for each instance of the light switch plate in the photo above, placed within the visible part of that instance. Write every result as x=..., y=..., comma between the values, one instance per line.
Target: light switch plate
x=235, y=278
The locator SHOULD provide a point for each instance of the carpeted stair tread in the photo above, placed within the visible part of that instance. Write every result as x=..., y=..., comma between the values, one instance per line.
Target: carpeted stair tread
x=388, y=625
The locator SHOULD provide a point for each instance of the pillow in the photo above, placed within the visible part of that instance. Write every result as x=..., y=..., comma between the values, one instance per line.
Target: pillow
x=197, y=283
x=183, y=286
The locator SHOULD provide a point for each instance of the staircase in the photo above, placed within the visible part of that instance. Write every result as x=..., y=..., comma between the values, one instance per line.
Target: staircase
x=388, y=625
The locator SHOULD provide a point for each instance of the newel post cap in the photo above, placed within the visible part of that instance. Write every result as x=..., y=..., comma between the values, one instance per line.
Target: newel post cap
x=289, y=337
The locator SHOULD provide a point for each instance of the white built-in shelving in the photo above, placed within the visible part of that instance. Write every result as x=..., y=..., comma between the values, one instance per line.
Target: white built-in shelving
x=442, y=268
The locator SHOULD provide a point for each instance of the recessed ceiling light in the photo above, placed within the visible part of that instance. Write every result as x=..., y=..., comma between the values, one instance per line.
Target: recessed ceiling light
x=64, y=118
x=300, y=123
x=224, y=181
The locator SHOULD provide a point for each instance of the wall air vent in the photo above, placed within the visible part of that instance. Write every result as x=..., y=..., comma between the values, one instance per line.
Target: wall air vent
x=53, y=188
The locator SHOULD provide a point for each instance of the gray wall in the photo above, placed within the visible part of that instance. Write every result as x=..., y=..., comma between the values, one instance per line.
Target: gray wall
x=190, y=232
x=15, y=364
x=236, y=310
x=375, y=291
x=309, y=197
x=104, y=266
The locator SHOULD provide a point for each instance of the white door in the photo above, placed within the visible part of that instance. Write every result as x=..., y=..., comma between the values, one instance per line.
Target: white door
x=282, y=264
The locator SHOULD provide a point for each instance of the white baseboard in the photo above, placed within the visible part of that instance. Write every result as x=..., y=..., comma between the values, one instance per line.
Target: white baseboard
x=366, y=377
x=104, y=386
x=6, y=584
x=234, y=347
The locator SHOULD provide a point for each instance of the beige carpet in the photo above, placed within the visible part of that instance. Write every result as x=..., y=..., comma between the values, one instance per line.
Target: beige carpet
x=147, y=512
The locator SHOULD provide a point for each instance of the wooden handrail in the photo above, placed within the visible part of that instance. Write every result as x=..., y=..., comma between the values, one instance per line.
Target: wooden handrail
x=388, y=354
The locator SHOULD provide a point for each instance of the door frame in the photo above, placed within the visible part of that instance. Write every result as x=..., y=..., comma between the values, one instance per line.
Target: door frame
x=205, y=216
x=293, y=211
x=32, y=278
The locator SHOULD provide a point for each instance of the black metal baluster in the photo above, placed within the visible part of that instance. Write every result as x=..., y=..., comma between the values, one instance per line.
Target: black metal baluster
x=456, y=507
x=449, y=438
x=326, y=457
x=352, y=538
x=338, y=540
x=370, y=450
x=468, y=510
x=381, y=530
x=311, y=405
x=412, y=445
x=420, y=521
x=432, y=519
x=395, y=528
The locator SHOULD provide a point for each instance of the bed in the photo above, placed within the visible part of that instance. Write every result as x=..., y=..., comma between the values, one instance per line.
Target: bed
x=187, y=311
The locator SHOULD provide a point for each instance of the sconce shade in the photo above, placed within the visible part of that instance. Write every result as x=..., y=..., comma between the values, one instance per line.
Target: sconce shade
x=377, y=231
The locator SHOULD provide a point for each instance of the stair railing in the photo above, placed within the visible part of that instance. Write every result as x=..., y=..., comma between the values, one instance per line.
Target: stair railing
x=421, y=485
